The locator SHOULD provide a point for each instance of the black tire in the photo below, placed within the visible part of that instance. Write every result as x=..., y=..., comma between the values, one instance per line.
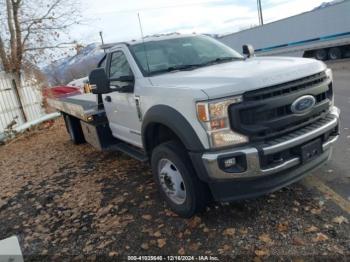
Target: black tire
x=321, y=54
x=74, y=129
x=334, y=53
x=197, y=192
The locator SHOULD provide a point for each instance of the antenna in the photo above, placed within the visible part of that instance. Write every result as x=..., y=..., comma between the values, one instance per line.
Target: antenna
x=101, y=35
x=143, y=42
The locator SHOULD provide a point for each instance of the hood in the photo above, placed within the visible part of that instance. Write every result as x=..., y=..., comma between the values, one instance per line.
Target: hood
x=237, y=77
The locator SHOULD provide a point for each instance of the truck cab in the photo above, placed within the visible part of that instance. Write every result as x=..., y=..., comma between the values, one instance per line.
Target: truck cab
x=213, y=124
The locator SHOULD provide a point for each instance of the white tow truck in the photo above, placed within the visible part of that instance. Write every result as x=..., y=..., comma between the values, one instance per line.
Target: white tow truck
x=212, y=123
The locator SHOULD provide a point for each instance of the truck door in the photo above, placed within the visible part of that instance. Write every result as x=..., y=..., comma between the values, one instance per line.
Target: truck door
x=120, y=106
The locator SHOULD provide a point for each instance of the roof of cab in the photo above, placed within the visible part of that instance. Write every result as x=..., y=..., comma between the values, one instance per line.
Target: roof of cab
x=147, y=39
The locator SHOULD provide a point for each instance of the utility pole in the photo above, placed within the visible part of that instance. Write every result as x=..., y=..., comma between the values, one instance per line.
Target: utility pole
x=261, y=20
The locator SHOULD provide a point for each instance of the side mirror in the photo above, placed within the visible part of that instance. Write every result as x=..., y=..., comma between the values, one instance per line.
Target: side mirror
x=99, y=78
x=248, y=50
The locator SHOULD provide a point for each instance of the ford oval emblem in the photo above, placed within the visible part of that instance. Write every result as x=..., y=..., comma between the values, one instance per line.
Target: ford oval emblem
x=303, y=104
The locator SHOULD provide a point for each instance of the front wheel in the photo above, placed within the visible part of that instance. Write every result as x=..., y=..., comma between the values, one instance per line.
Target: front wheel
x=177, y=181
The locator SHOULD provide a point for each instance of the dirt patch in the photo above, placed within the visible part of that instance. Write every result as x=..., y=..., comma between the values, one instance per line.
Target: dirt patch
x=66, y=201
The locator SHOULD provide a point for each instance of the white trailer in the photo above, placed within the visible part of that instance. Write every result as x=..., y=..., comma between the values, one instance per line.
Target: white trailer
x=322, y=33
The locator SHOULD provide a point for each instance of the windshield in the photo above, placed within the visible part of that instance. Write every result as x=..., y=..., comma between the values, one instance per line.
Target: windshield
x=185, y=53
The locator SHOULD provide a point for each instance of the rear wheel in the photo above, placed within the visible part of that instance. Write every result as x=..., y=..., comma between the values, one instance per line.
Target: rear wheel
x=321, y=54
x=334, y=53
x=74, y=129
x=177, y=180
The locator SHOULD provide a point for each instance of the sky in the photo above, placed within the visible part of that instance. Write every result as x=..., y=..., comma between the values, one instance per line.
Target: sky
x=118, y=20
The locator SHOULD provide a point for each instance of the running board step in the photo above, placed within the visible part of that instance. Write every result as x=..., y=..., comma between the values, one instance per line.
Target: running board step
x=129, y=150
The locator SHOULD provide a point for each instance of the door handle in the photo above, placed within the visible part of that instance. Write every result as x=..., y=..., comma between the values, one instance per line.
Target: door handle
x=108, y=99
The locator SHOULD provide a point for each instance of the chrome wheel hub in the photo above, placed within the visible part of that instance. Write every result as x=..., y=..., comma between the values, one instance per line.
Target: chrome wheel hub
x=171, y=181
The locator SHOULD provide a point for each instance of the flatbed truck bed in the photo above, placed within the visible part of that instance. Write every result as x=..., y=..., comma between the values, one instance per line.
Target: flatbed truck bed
x=83, y=107
x=93, y=123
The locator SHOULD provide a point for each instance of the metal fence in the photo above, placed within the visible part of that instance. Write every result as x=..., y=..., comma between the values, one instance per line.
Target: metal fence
x=18, y=105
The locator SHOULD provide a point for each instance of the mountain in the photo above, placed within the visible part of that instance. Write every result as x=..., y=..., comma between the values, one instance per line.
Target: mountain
x=69, y=68
x=327, y=4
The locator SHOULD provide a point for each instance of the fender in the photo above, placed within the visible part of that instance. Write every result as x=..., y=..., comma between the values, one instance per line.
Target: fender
x=174, y=120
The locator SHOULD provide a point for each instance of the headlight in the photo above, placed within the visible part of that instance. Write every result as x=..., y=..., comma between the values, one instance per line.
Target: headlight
x=214, y=117
x=329, y=73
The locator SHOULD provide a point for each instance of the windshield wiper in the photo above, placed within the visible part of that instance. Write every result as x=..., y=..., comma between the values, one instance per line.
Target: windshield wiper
x=182, y=67
x=194, y=66
x=221, y=60
x=177, y=68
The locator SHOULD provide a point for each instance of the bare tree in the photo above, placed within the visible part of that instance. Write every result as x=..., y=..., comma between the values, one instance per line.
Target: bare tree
x=32, y=31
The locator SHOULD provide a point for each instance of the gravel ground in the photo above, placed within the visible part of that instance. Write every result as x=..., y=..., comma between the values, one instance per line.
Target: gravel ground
x=66, y=201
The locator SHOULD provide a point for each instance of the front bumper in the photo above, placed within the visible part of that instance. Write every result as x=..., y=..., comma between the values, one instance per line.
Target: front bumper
x=259, y=178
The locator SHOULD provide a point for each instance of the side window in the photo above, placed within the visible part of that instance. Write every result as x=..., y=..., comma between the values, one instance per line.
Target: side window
x=102, y=63
x=119, y=66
